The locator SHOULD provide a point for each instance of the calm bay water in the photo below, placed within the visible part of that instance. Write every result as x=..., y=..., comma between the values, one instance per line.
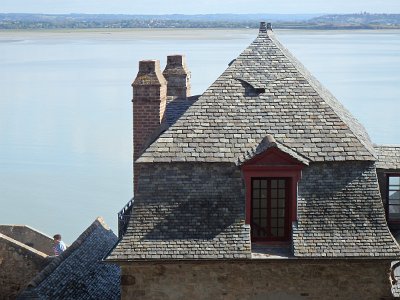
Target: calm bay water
x=65, y=110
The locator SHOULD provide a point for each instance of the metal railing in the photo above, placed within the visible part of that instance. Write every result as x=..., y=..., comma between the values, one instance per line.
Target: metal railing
x=123, y=218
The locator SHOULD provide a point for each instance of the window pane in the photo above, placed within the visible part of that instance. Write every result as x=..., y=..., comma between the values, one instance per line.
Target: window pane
x=263, y=223
x=281, y=222
x=274, y=193
x=256, y=214
x=263, y=194
x=394, y=195
x=274, y=203
x=394, y=180
x=256, y=203
x=264, y=184
x=281, y=193
x=281, y=213
x=263, y=213
x=281, y=203
x=263, y=203
x=256, y=183
x=274, y=213
x=274, y=222
x=281, y=183
x=274, y=231
x=394, y=212
x=394, y=201
x=274, y=183
x=281, y=232
x=256, y=194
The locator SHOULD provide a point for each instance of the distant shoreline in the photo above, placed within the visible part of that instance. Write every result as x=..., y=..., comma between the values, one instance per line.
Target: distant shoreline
x=359, y=21
x=127, y=30
x=281, y=28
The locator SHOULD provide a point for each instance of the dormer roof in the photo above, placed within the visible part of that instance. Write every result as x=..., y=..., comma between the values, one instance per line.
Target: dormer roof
x=269, y=143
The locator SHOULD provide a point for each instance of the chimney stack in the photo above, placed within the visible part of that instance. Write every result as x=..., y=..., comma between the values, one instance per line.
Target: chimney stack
x=263, y=28
x=178, y=76
x=149, y=102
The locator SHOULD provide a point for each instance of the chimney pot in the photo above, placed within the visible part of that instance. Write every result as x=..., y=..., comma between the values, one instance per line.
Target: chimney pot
x=178, y=76
x=149, y=74
x=175, y=60
x=148, y=66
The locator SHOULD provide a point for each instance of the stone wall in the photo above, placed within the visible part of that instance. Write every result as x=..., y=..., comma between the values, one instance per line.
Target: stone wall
x=29, y=237
x=267, y=279
x=18, y=265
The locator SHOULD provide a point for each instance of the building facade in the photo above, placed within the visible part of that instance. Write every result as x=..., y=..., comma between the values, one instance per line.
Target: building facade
x=264, y=187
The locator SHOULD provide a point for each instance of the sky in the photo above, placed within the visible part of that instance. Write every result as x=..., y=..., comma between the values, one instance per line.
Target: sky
x=199, y=6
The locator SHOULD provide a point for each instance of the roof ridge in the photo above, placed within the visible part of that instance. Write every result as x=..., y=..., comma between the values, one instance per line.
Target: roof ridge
x=322, y=91
x=56, y=261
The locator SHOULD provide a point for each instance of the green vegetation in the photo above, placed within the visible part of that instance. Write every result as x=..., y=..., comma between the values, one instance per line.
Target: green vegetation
x=350, y=21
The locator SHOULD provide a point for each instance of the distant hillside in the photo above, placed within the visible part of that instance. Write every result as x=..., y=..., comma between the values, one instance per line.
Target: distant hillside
x=362, y=20
x=301, y=21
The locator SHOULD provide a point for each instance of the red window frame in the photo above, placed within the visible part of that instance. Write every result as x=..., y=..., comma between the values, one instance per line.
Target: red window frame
x=273, y=163
x=387, y=204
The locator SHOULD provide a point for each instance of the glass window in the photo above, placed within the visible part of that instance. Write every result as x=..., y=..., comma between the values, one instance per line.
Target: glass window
x=394, y=198
x=269, y=219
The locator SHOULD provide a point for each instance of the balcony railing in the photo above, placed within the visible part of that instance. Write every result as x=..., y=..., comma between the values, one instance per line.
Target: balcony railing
x=123, y=218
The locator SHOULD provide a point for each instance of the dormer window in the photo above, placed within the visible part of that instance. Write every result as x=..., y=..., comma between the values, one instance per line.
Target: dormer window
x=271, y=177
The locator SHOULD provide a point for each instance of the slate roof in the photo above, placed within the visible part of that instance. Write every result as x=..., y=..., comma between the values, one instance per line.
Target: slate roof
x=264, y=91
x=79, y=273
x=176, y=107
x=192, y=211
x=340, y=213
x=388, y=157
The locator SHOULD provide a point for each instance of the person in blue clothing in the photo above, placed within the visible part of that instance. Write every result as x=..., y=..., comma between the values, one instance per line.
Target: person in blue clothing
x=59, y=246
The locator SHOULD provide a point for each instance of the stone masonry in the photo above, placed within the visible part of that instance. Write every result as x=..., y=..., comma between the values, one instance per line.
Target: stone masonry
x=18, y=264
x=29, y=236
x=278, y=279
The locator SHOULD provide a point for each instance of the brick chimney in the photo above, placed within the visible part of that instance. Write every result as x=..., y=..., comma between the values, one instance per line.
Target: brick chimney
x=178, y=76
x=149, y=102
